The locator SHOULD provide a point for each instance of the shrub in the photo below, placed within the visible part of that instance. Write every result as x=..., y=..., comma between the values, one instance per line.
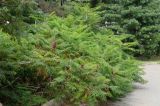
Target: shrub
x=16, y=86
x=66, y=60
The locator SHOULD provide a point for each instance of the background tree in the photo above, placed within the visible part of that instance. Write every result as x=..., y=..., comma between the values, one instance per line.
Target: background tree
x=140, y=18
x=16, y=15
x=94, y=2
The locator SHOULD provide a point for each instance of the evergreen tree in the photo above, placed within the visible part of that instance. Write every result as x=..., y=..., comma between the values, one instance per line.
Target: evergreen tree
x=16, y=14
x=137, y=17
x=94, y=3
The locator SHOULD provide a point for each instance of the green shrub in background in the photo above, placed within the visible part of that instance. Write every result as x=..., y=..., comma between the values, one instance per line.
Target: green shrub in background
x=17, y=15
x=66, y=59
x=139, y=18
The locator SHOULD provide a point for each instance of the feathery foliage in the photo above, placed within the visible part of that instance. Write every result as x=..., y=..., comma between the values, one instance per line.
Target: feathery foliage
x=66, y=59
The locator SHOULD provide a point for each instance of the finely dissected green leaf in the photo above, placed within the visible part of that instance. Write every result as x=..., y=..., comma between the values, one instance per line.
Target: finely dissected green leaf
x=67, y=59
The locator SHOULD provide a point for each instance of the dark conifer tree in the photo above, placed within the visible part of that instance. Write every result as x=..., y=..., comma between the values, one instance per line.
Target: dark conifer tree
x=94, y=3
x=140, y=18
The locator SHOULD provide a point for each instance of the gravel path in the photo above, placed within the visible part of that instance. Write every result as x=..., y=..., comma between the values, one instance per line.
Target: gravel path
x=144, y=95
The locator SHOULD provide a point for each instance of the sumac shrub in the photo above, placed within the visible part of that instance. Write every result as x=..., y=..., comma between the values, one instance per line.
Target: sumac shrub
x=66, y=60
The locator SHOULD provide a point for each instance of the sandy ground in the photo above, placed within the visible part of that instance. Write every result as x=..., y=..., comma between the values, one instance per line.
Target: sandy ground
x=144, y=95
